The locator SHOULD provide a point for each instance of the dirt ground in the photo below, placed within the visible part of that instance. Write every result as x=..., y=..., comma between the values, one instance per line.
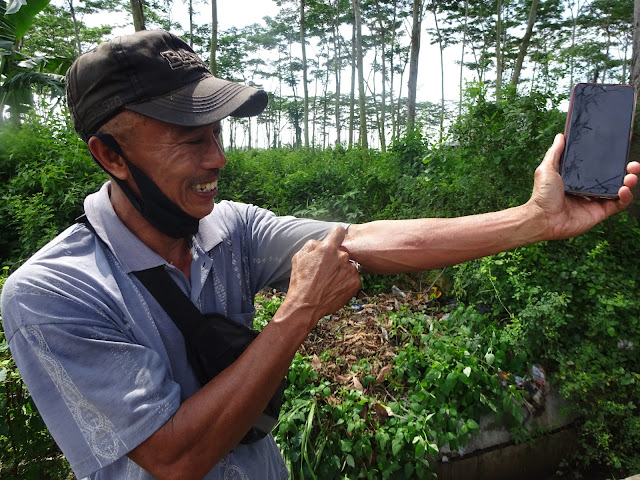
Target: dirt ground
x=360, y=331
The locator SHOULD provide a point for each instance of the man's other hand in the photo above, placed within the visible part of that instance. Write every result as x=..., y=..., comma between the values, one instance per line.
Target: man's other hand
x=322, y=278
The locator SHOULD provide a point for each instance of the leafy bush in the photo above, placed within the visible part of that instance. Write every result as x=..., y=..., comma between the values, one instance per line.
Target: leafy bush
x=47, y=172
x=334, y=184
x=442, y=380
x=573, y=306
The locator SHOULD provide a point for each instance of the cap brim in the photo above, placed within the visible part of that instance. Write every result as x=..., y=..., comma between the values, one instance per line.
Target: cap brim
x=203, y=102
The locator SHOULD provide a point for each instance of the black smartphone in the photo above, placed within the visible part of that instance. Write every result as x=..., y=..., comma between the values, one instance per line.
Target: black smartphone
x=597, y=139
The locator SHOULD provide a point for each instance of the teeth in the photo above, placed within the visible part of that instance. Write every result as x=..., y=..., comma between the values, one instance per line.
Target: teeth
x=205, y=187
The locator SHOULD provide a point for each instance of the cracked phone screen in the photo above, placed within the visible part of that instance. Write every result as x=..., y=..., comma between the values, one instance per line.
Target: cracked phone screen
x=598, y=135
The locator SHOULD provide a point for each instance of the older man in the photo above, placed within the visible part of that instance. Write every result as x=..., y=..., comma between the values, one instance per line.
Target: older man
x=105, y=362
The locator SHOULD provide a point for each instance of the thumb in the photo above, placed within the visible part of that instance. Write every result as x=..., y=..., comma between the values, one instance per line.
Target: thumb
x=553, y=155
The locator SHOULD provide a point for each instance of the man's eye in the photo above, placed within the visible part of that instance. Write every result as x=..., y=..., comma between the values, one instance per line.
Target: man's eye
x=195, y=141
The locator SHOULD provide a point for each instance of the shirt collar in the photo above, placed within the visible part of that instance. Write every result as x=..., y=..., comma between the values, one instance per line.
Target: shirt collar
x=130, y=251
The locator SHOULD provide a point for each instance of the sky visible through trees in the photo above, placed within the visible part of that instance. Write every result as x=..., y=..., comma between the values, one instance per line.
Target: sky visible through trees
x=557, y=42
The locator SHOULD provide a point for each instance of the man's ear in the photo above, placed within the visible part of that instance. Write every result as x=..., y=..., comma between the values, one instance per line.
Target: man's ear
x=110, y=160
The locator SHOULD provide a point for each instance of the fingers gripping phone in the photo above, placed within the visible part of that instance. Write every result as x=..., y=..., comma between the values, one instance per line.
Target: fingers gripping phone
x=597, y=139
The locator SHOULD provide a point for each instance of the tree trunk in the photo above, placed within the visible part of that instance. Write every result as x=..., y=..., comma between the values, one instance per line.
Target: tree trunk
x=635, y=51
x=383, y=103
x=305, y=87
x=191, y=23
x=214, y=37
x=392, y=76
x=464, y=44
x=574, y=27
x=352, y=112
x=76, y=29
x=435, y=19
x=337, y=68
x=499, y=52
x=138, y=15
x=315, y=104
x=361, y=92
x=249, y=143
x=413, y=64
x=524, y=45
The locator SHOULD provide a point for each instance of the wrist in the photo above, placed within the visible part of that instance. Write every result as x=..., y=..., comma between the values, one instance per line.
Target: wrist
x=536, y=223
x=298, y=317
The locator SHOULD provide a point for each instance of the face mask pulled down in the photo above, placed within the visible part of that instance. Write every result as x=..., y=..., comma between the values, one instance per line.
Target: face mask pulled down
x=154, y=206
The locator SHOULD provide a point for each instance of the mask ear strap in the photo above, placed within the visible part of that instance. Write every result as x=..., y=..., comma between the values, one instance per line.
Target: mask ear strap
x=113, y=144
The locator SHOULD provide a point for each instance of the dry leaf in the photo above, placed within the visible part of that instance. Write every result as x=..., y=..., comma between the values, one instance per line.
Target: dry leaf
x=380, y=410
x=384, y=371
x=315, y=362
x=357, y=385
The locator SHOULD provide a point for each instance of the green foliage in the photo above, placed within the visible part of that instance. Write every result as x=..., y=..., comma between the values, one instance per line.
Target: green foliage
x=574, y=307
x=334, y=184
x=444, y=378
x=266, y=306
x=46, y=172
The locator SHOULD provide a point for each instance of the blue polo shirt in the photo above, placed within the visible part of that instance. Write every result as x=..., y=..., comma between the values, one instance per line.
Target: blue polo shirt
x=104, y=363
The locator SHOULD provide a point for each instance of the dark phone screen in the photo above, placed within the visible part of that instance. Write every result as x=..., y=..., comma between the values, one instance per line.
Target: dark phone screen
x=597, y=142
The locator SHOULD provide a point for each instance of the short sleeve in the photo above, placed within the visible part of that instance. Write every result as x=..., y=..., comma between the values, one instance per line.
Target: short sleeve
x=275, y=240
x=100, y=393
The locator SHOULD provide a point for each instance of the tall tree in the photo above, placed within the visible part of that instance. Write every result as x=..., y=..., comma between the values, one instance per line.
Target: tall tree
x=499, y=53
x=635, y=62
x=413, y=63
x=305, y=81
x=214, y=37
x=354, y=61
x=434, y=7
x=138, y=15
x=524, y=44
x=360, y=61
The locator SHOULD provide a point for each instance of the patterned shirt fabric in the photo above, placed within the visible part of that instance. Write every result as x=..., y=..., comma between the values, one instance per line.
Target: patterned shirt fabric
x=104, y=363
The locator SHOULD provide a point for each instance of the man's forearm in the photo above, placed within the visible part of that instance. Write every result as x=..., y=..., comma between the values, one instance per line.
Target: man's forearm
x=400, y=246
x=213, y=421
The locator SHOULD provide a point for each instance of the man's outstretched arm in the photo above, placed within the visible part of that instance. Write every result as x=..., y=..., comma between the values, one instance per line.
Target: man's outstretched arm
x=397, y=246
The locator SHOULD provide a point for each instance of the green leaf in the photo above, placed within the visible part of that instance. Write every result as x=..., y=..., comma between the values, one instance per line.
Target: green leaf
x=396, y=445
x=346, y=445
x=450, y=382
x=433, y=375
x=383, y=439
x=419, y=450
x=473, y=425
x=611, y=331
x=22, y=16
x=350, y=461
x=5, y=47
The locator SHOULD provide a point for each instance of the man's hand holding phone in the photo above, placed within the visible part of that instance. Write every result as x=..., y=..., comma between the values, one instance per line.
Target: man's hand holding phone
x=567, y=215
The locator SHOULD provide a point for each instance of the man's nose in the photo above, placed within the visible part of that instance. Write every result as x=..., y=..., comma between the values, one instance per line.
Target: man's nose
x=214, y=157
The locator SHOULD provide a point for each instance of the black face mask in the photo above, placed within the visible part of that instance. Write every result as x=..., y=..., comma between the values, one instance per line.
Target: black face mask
x=154, y=206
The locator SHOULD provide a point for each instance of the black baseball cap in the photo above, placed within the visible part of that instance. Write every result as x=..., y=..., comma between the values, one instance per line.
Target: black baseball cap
x=156, y=74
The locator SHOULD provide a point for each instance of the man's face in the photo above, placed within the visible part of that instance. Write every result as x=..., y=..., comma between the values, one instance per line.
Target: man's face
x=184, y=162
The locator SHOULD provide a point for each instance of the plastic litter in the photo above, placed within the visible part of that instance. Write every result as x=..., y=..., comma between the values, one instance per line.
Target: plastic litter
x=396, y=291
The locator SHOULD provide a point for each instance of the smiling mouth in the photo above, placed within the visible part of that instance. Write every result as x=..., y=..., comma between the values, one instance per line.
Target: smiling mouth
x=205, y=187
